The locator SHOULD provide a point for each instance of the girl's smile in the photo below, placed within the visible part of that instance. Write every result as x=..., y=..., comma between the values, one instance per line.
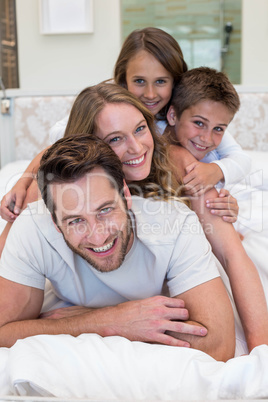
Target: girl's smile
x=149, y=81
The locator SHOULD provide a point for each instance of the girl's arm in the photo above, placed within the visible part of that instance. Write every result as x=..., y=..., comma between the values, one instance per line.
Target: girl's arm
x=244, y=279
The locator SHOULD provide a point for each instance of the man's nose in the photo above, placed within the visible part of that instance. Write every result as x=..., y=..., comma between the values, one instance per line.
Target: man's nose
x=97, y=234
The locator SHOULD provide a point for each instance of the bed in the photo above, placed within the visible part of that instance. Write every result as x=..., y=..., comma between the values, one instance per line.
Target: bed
x=113, y=368
x=89, y=367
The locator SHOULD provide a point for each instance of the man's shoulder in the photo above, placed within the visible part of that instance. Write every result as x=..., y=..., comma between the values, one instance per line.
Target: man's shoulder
x=35, y=218
x=160, y=221
x=145, y=206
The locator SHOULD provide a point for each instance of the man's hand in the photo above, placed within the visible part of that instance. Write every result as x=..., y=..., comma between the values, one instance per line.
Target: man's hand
x=148, y=320
x=201, y=177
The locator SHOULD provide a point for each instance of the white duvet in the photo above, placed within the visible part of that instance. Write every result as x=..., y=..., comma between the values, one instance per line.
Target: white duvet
x=114, y=368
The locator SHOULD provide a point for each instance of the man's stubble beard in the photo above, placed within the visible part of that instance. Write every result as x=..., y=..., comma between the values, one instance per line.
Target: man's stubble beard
x=124, y=235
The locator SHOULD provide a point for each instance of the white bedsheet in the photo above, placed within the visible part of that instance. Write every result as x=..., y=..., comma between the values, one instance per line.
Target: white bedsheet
x=114, y=368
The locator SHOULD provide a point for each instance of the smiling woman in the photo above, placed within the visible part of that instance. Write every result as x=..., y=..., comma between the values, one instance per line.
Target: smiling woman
x=131, y=138
x=112, y=113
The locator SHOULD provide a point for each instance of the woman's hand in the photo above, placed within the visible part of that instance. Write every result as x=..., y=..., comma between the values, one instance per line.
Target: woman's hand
x=12, y=202
x=225, y=206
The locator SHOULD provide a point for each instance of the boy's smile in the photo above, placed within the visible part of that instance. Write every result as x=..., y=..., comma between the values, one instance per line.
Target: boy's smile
x=200, y=128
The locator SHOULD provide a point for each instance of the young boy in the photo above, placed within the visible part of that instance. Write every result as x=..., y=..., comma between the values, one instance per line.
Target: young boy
x=203, y=104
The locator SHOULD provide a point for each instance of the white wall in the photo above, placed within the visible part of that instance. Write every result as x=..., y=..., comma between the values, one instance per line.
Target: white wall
x=255, y=42
x=63, y=62
x=72, y=62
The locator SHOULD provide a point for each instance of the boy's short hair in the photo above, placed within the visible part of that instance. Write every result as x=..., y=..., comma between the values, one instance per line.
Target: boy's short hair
x=202, y=84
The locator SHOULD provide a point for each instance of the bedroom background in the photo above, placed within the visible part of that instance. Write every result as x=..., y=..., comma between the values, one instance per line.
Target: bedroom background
x=53, y=68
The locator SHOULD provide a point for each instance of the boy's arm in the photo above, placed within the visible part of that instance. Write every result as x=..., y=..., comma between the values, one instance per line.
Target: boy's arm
x=233, y=160
x=232, y=165
x=223, y=205
x=201, y=177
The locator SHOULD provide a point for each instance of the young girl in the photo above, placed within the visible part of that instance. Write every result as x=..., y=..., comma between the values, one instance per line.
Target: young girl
x=149, y=65
x=113, y=114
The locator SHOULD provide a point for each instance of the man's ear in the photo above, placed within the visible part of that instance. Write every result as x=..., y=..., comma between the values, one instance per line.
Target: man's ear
x=127, y=195
x=171, y=116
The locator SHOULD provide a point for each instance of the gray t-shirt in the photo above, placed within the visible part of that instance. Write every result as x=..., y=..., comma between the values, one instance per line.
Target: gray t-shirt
x=169, y=245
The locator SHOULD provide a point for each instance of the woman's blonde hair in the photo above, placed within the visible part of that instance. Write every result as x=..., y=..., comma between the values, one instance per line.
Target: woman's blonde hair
x=90, y=102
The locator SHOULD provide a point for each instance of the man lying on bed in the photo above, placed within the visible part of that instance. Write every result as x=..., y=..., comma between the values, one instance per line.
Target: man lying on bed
x=109, y=261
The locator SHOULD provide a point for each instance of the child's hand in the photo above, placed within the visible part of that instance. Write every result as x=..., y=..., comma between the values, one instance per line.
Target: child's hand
x=225, y=206
x=201, y=177
x=12, y=202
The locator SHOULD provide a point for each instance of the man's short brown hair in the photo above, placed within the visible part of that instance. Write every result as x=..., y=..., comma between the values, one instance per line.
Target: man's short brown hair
x=71, y=158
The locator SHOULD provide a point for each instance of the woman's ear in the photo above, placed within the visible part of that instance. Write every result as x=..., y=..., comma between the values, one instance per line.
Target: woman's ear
x=127, y=195
x=171, y=116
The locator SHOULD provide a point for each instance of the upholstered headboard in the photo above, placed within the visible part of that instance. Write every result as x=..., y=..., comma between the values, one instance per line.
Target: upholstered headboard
x=250, y=125
x=32, y=116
